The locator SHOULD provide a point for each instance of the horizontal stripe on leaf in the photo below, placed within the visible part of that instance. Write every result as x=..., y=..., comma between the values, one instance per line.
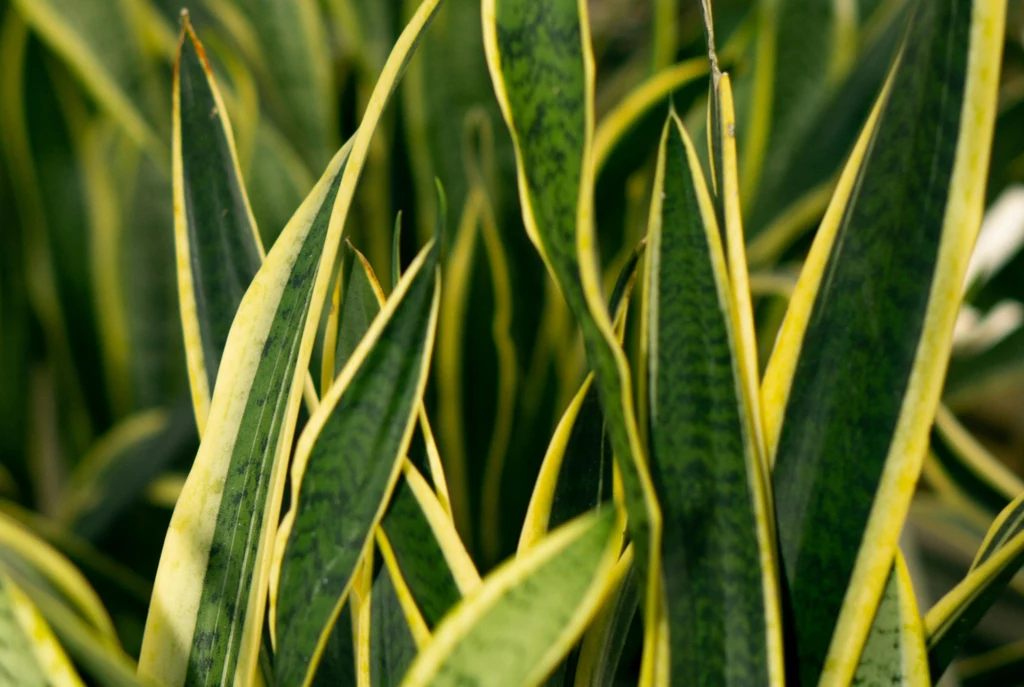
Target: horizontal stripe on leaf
x=702, y=450
x=527, y=614
x=346, y=464
x=875, y=347
x=218, y=246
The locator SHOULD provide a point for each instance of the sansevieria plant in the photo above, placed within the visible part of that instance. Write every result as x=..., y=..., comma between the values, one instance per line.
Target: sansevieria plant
x=511, y=342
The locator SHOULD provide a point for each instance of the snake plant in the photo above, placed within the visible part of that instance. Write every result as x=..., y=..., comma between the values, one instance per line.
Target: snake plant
x=511, y=342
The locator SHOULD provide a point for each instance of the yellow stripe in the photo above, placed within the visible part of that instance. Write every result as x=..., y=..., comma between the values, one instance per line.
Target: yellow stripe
x=48, y=653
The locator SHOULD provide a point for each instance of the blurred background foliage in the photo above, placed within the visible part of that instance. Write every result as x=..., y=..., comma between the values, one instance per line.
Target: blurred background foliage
x=96, y=428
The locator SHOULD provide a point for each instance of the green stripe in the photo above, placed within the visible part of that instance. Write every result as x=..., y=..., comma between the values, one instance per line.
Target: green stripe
x=338, y=663
x=349, y=473
x=699, y=451
x=860, y=344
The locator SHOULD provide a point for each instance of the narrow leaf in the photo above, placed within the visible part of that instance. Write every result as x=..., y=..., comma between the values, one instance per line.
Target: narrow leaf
x=950, y=621
x=216, y=240
x=346, y=464
x=704, y=445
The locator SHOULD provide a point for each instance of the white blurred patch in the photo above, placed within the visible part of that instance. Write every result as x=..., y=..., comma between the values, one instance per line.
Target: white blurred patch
x=974, y=333
x=1000, y=238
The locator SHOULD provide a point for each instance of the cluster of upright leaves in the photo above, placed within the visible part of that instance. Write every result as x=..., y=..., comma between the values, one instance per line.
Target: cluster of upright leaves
x=727, y=526
x=765, y=515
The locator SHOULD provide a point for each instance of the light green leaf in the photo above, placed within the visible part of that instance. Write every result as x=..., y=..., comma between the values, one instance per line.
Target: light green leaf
x=30, y=655
x=856, y=374
x=346, y=464
x=528, y=613
x=894, y=653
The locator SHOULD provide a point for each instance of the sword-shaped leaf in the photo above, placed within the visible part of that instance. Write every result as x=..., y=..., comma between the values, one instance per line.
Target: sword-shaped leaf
x=856, y=375
x=218, y=246
x=30, y=655
x=950, y=621
x=527, y=614
x=542, y=68
x=704, y=444
x=894, y=653
x=346, y=464
x=209, y=577
x=207, y=614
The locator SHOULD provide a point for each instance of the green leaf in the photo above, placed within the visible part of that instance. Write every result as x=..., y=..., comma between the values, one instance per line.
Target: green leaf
x=859, y=362
x=346, y=464
x=217, y=243
x=704, y=452
x=812, y=150
x=527, y=614
x=99, y=44
x=894, y=653
x=950, y=621
x=209, y=577
x=239, y=467
x=601, y=650
x=29, y=653
x=542, y=67
x=338, y=663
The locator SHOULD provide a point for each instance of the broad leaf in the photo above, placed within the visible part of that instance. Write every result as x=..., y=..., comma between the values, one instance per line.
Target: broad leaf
x=858, y=365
